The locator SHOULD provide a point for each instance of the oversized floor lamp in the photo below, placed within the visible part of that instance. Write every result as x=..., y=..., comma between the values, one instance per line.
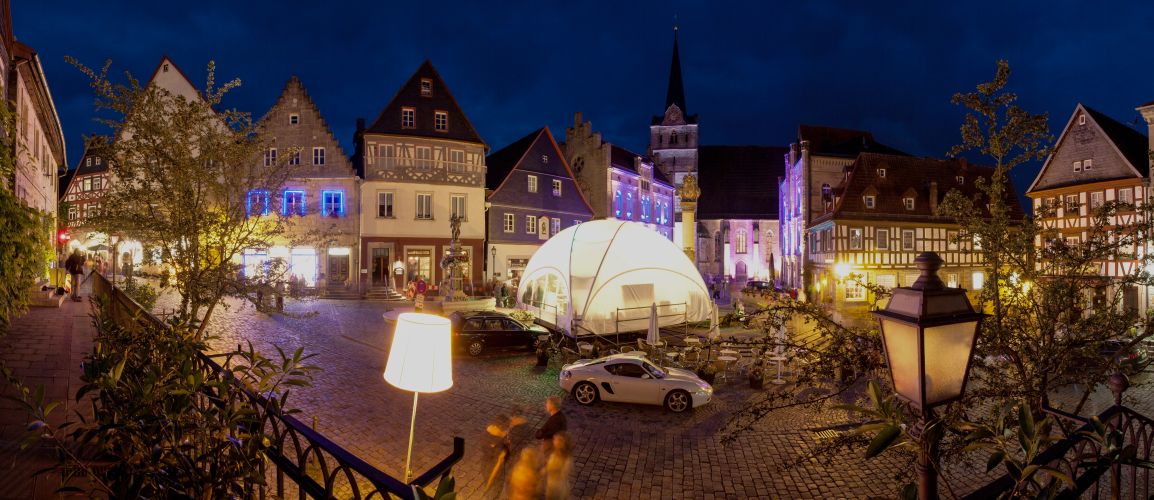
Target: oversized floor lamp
x=420, y=360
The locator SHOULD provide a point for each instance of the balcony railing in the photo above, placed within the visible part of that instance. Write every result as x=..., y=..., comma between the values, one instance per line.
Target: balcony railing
x=424, y=169
x=315, y=466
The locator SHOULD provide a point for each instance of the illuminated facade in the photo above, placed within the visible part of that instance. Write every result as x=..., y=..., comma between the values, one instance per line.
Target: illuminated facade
x=1096, y=160
x=318, y=200
x=421, y=162
x=875, y=222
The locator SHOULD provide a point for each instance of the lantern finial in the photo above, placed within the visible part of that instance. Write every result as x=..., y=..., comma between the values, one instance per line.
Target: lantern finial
x=928, y=263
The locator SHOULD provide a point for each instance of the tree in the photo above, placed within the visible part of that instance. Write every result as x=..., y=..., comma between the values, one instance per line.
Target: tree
x=188, y=182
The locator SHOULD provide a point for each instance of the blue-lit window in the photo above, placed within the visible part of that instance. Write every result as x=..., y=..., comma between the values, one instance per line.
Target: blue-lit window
x=257, y=202
x=294, y=203
x=629, y=206
x=617, y=203
x=332, y=203
x=645, y=208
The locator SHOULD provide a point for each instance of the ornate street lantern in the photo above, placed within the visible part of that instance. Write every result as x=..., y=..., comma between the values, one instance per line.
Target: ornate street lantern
x=929, y=332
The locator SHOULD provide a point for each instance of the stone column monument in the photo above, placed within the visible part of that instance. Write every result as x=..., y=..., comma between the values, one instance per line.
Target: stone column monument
x=455, y=258
x=689, y=192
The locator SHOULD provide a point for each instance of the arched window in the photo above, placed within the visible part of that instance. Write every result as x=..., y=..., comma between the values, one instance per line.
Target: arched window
x=617, y=203
x=740, y=242
x=629, y=206
x=673, y=137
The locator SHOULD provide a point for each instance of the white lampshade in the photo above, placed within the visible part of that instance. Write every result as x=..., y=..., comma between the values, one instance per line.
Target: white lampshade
x=421, y=358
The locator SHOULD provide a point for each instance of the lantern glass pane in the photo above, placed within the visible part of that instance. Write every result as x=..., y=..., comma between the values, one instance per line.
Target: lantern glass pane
x=902, y=348
x=948, y=350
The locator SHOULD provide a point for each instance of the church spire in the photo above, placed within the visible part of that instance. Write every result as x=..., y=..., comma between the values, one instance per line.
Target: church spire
x=676, y=92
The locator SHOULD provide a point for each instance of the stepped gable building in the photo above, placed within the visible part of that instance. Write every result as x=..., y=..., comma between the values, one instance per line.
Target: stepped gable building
x=879, y=217
x=737, y=213
x=422, y=162
x=1096, y=160
x=319, y=198
x=618, y=183
x=533, y=195
x=815, y=165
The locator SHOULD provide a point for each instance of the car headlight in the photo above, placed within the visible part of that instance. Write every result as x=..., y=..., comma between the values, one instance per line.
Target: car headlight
x=566, y=375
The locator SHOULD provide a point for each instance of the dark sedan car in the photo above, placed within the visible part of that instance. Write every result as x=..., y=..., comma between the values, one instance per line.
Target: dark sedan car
x=1131, y=360
x=479, y=331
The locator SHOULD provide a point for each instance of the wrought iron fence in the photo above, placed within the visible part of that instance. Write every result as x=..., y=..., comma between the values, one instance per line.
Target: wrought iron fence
x=1082, y=458
x=314, y=466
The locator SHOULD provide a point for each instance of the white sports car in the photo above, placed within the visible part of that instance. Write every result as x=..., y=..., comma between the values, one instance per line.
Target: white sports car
x=631, y=378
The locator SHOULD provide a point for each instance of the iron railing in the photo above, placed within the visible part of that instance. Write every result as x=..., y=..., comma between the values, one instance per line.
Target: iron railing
x=1081, y=458
x=314, y=465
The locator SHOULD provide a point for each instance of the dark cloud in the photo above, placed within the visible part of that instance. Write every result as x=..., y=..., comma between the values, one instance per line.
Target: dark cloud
x=753, y=70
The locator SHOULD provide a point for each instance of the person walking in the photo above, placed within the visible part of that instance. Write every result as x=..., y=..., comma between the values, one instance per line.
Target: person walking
x=555, y=423
x=75, y=267
x=558, y=467
x=525, y=480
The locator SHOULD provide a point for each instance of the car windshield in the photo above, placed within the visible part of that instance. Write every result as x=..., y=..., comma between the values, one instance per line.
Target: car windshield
x=654, y=371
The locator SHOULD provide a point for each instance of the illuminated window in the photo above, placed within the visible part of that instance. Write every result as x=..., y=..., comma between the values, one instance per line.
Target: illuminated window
x=556, y=225
x=854, y=291
x=530, y=224
x=457, y=206
x=951, y=240
x=294, y=203
x=1126, y=195
x=855, y=238
x=332, y=203
x=510, y=222
x=617, y=203
x=909, y=203
x=532, y=183
x=629, y=205
x=1096, y=199
x=426, y=87
x=952, y=280
x=441, y=121
x=556, y=187
x=870, y=201
x=257, y=202
x=978, y=280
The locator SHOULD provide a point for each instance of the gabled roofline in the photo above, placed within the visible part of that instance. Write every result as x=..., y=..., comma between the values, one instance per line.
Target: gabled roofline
x=1061, y=138
x=160, y=64
x=565, y=163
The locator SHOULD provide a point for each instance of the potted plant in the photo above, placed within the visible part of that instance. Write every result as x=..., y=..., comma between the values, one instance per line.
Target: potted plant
x=707, y=370
x=542, y=352
x=757, y=375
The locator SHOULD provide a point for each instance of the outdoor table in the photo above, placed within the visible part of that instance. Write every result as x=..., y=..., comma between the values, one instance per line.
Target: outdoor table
x=673, y=355
x=726, y=362
x=692, y=340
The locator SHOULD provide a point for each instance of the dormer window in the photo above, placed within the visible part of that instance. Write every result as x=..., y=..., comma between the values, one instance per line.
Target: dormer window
x=1087, y=164
x=909, y=203
x=426, y=87
x=98, y=160
x=294, y=119
x=870, y=201
x=1078, y=166
x=165, y=68
x=882, y=173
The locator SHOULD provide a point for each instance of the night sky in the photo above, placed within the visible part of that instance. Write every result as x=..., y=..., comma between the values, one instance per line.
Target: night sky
x=753, y=72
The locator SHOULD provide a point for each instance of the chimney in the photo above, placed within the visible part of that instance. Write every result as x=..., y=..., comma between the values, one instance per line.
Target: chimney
x=934, y=197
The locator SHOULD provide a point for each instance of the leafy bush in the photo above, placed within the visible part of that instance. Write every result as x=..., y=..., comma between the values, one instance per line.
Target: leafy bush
x=522, y=316
x=166, y=423
x=140, y=291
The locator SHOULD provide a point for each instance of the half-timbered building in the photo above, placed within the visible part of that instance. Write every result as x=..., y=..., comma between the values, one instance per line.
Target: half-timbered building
x=1096, y=160
x=876, y=221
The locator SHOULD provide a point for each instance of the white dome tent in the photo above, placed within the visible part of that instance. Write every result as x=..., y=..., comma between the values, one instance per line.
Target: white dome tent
x=602, y=277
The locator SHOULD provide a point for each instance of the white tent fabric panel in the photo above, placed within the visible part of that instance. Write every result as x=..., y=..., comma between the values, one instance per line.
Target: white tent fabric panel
x=602, y=277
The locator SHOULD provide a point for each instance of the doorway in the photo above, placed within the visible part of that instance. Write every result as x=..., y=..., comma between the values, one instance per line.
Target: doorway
x=338, y=269
x=381, y=260
x=419, y=263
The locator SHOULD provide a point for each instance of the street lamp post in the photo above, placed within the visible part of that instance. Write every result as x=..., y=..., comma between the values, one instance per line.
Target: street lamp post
x=420, y=360
x=929, y=332
x=493, y=270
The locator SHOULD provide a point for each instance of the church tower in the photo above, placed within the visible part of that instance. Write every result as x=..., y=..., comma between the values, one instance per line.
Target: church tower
x=673, y=136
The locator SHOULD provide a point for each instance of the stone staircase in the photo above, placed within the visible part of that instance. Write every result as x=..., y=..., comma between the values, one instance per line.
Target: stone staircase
x=383, y=293
x=341, y=293
x=44, y=298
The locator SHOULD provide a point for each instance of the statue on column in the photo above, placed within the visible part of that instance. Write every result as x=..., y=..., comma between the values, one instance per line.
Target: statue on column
x=455, y=258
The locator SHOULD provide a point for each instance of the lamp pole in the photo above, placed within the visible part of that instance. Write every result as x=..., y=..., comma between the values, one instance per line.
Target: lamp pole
x=493, y=270
x=929, y=332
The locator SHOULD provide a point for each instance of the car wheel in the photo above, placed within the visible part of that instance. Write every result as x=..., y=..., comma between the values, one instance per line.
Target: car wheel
x=585, y=393
x=678, y=401
x=475, y=348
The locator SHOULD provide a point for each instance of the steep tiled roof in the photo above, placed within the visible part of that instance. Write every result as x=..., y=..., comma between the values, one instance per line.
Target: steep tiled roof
x=848, y=143
x=81, y=168
x=502, y=162
x=739, y=182
x=623, y=158
x=905, y=175
x=1130, y=142
x=389, y=121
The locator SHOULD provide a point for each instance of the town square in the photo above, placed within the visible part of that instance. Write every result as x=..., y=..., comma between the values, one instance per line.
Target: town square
x=686, y=250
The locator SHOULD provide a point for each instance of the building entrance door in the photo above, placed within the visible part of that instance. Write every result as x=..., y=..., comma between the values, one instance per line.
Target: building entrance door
x=380, y=266
x=338, y=269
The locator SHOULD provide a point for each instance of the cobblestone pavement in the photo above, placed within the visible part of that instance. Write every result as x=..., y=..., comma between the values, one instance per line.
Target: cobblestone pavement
x=621, y=451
